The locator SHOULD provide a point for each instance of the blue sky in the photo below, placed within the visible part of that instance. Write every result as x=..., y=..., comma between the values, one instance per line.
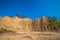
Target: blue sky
x=30, y=8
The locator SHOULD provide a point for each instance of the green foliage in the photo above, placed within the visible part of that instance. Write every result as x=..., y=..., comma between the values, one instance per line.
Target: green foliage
x=53, y=24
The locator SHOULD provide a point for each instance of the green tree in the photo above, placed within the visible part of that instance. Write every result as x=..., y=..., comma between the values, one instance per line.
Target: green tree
x=53, y=24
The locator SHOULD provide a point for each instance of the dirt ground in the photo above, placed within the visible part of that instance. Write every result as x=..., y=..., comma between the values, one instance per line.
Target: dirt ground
x=30, y=36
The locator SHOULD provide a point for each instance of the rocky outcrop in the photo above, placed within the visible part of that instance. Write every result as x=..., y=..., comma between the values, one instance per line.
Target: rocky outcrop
x=16, y=24
x=0, y=22
x=40, y=24
x=23, y=24
x=7, y=23
x=36, y=25
x=44, y=24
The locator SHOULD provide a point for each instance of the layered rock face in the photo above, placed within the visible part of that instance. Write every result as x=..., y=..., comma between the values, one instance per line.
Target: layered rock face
x=44, y=23
x=23, y=24
x=16, y=24
x=40, y=24
x=36, y=25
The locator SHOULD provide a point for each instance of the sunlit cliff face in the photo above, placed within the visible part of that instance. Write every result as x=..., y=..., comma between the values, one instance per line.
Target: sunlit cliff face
x=16, y=24
x=23, y=24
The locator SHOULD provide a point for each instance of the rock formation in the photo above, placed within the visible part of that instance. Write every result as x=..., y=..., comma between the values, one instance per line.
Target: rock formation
x=36, y=24
x=23, y=24
x=44, y=24
x=16, y=24
x=0, y=22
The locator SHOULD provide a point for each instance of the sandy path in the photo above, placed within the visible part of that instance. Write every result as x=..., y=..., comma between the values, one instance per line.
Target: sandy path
x=31, y=36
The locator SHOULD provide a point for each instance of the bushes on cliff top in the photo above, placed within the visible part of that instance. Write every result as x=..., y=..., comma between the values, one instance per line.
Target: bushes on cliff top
x=53, y=23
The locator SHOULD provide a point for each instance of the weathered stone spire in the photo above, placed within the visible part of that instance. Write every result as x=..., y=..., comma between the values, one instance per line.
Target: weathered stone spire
x=44, y=23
